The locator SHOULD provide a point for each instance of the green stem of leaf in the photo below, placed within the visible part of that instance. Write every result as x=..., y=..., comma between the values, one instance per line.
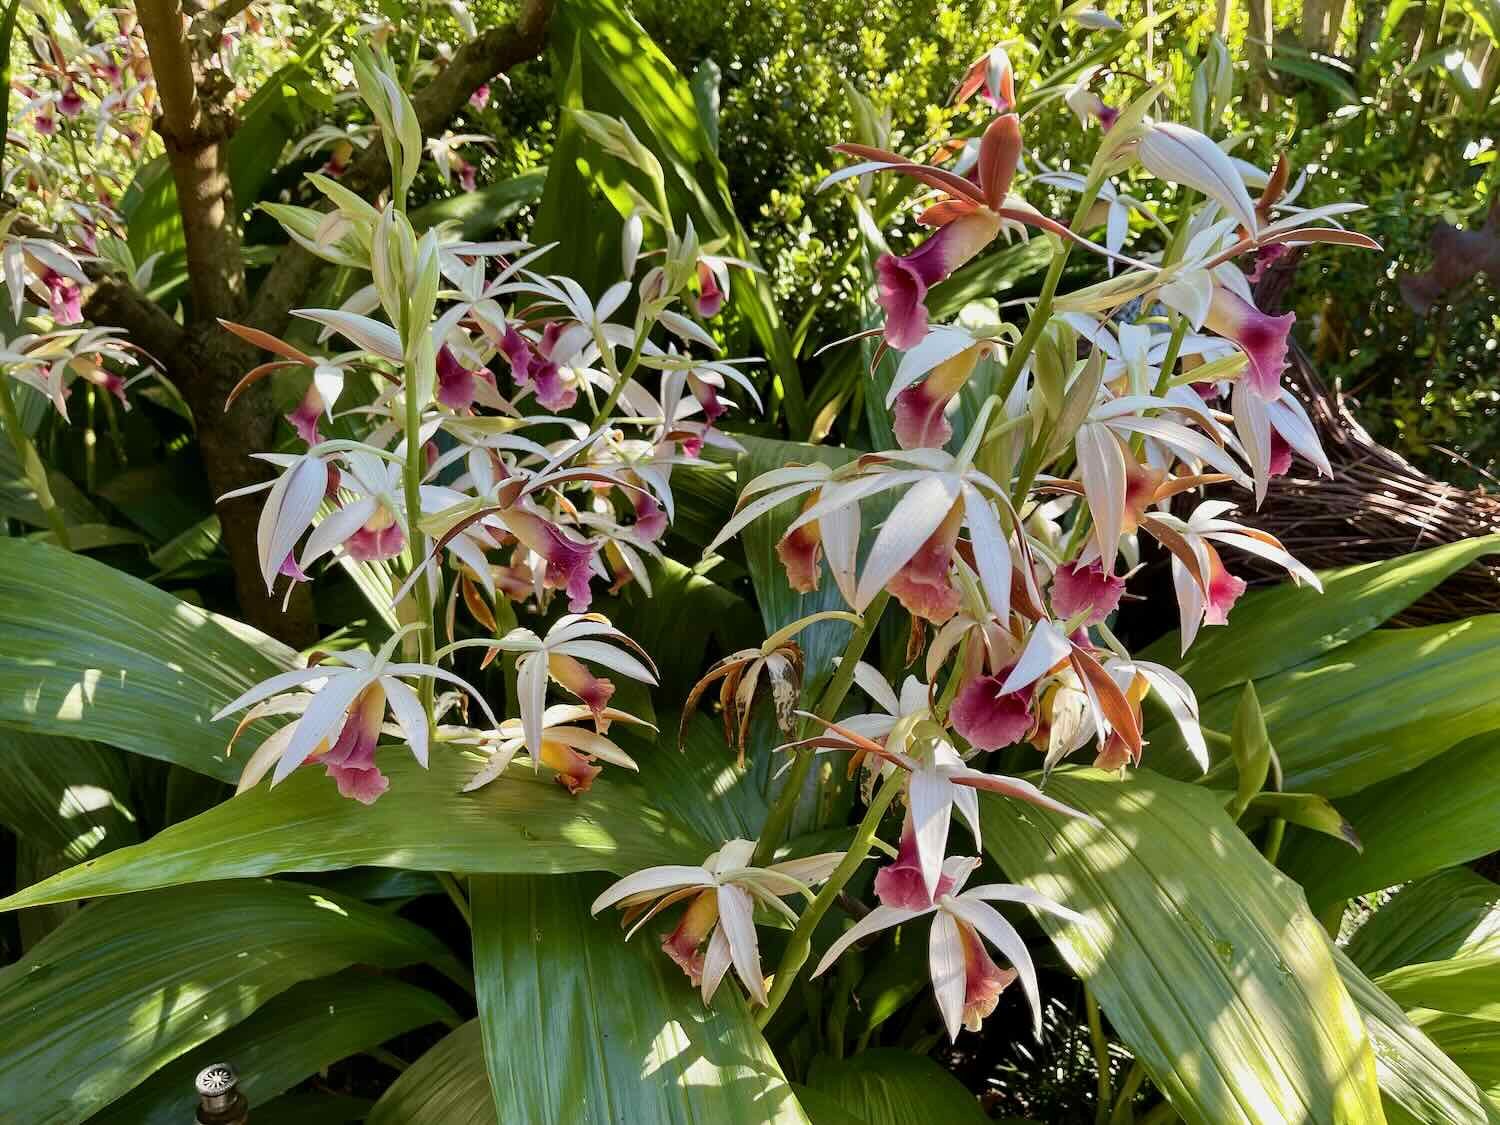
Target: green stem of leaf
x=1101, y=1057
x=800, y=945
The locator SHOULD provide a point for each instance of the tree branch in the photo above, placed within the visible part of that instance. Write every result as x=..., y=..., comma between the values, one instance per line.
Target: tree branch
x=475, y=63
x=199, y=160
x=118, y=304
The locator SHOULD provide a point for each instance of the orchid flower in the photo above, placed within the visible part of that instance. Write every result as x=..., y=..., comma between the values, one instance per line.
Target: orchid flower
x=567, y=748
x=992, y=76
x=722, y=895
x=559, y=656
x=943, y=360
x=965, y=981
x=1205, y=589
x=968, y=217
x=937, y=782
x=340, y=710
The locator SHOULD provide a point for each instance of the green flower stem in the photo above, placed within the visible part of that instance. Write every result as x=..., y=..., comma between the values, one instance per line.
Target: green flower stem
x=416, y=464
x=31, y=464
x=1123, y=1113
x=800, y=946
x=1101, y=1057
x=1043, y=312
x=838, y=687
x=621, y=377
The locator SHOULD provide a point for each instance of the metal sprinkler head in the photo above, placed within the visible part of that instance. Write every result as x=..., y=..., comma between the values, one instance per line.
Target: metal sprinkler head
x=219, y=1099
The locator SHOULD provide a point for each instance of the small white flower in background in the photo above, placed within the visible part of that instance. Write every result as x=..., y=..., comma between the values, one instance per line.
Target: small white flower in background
x=722, y=896
x=965, y=981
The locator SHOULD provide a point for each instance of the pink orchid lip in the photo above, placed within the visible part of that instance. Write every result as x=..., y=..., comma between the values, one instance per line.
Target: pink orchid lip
x=380, y=538
x=1281, y=456
x=575, y=771
x=650, y=518
x=919, y=420
x=988, y=718
x=708, y=398
x=569, y=564
x=1224, y=589
x=710, y=297
x=683, y=943
x=64, y=298
x=800, y=551
x=922, y=585
x=481, y=96
x=903, y=282
x=351, y=759
x=594, y=691
x=456, y=383
x=304, y=419
x=900, y=883
x=1075, y=589
x=984, y=980
x=1262, y=338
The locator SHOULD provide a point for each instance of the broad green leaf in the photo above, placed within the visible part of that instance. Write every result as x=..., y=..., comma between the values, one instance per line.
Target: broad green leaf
x=86, y=651
x=448, y=1085
x=523, y=822
x=702, y=787
x=886, y=1086
x=555, y=984
x=307, y=1028
x=70, y=798
x=1418, y=1082
x=1206, y=959
x=705, y=86
x=1318, y=73
x=1466, y=985
x=127, y=985
x=1474, y=1046
x=1432, y=919
x=1276, y=629
x=624, y=73
x=1435, y=816
x=823, y=1109
x=479, y=213
x=1368, y=711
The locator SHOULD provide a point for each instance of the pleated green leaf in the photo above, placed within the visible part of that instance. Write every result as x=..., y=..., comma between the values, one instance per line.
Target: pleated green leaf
x=1432, y=919
x=88, y=652
x=886, y=1086
x=1369, y=710
x=1440, y=814
x=581, y=1026
x=1205, y=958
x=446, y=1086
x=307, y=1028
x=1474, y=1047
x=1466, y=985
x=70, y=798
x=127, y=985
x=523, y=822
x=1273, y=630
x=1418, y=1082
